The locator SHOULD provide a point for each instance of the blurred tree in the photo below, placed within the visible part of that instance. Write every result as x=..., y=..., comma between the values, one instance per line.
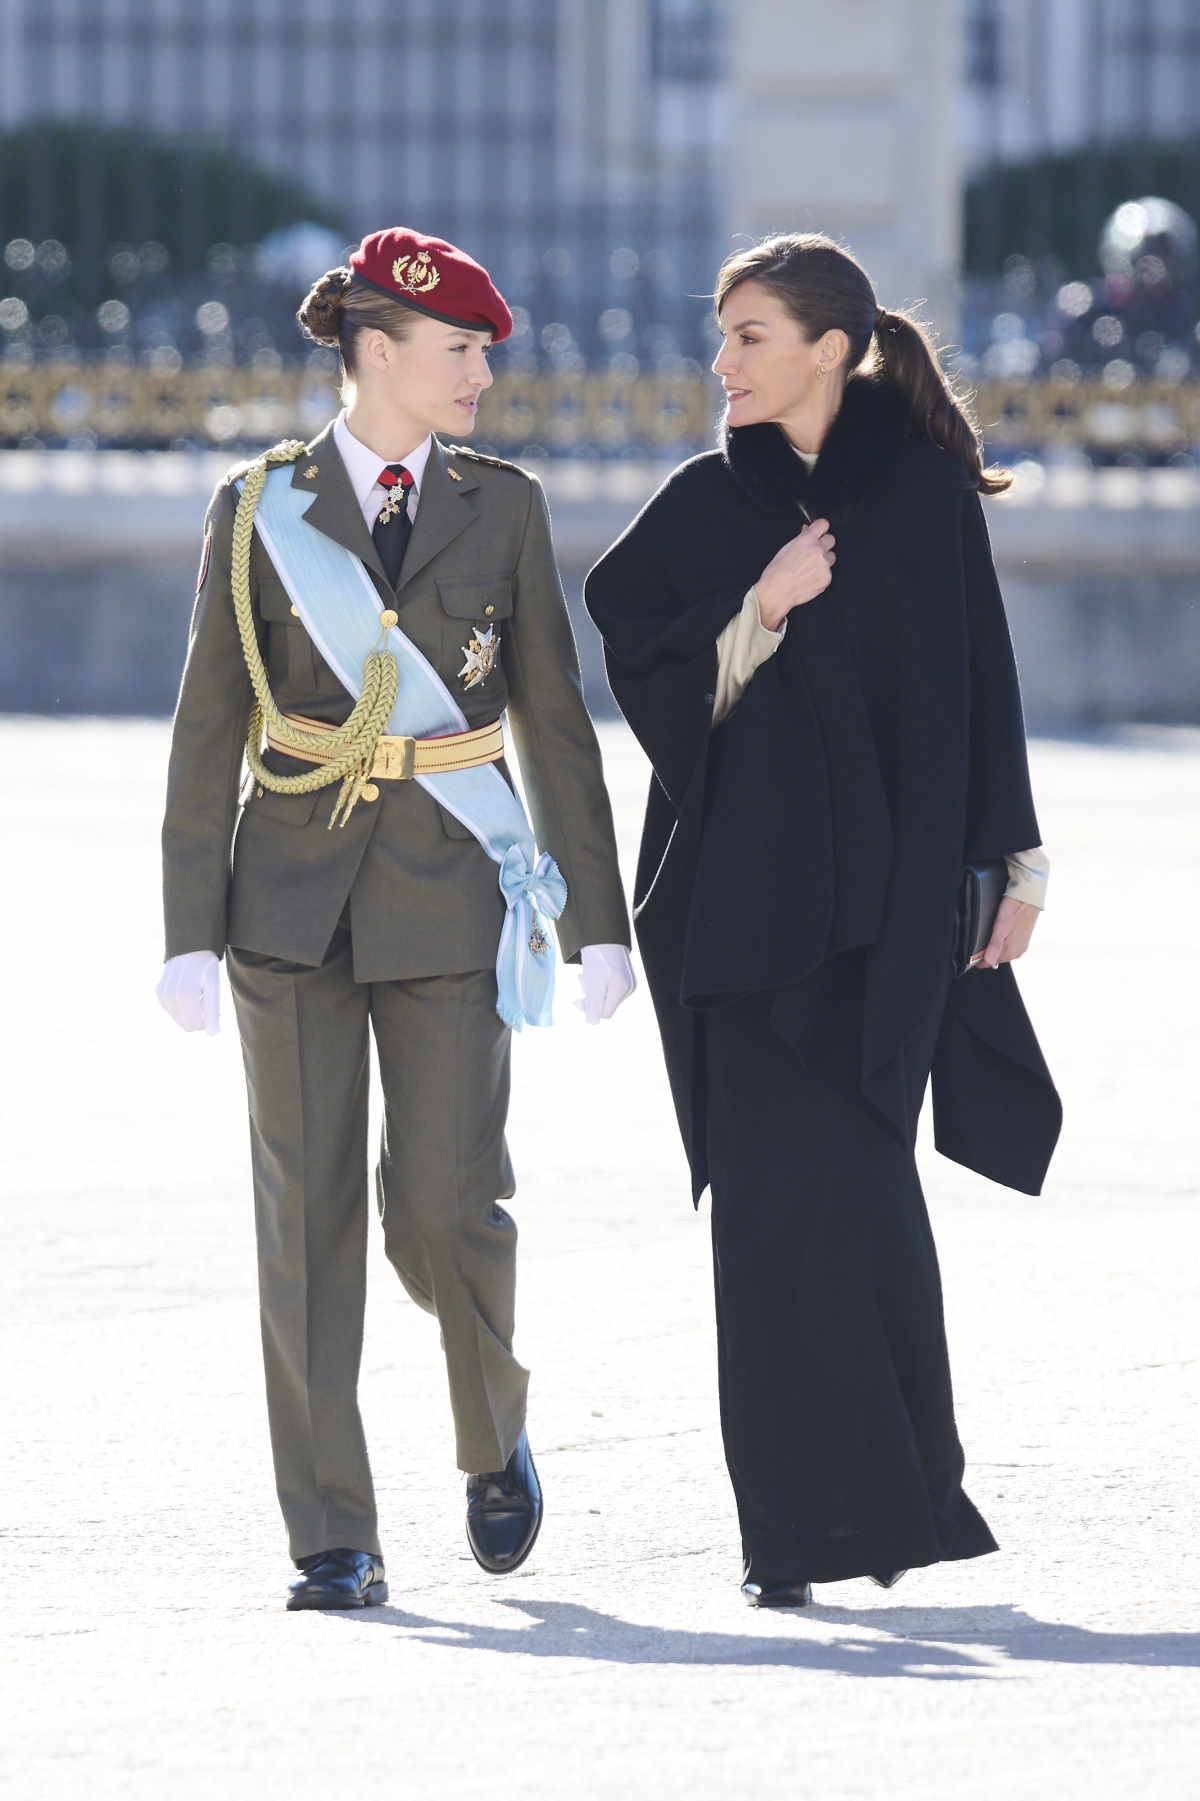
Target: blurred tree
x=1056, y=205
x=90, y=188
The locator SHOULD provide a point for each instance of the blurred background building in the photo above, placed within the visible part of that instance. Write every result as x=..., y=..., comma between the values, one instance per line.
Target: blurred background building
x=173, y=173
x=176, y=174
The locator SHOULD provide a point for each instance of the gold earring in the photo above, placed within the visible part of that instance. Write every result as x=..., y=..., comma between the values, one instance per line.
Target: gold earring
x=820, y=372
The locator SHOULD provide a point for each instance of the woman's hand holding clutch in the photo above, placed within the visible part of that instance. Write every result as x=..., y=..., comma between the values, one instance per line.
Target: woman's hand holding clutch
x=1010, y=935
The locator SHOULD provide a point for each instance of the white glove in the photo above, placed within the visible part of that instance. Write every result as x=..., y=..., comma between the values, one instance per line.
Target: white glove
x=190, y=990
x=608, y=979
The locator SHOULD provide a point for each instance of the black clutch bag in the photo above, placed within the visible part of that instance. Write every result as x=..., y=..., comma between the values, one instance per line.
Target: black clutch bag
x=979, y=895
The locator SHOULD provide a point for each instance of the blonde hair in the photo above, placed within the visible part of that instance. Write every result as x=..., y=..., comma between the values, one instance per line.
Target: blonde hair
x=338, y=307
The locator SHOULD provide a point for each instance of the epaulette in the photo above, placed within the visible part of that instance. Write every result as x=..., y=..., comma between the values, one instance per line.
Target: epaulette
x=477, y=456
x=288, y=450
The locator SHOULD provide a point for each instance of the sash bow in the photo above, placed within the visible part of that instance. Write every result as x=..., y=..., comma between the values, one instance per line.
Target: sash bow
x=533, y=895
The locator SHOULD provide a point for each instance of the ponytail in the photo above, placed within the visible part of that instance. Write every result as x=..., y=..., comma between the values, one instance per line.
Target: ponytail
x=909, y=360
x=825, y=288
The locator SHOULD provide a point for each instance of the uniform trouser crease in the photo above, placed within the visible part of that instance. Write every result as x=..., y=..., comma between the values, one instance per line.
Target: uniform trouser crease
x=444, y=1063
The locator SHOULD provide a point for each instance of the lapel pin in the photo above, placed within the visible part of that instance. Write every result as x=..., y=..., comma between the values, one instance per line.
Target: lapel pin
x=310, y=473
x=453, y=474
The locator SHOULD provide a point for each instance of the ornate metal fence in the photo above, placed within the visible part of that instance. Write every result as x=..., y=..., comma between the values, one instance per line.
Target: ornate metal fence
x=547, y=415
x=1081, y=294
x=168, y=187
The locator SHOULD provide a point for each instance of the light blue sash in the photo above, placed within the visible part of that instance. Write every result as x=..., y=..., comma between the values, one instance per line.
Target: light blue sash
x=339, y=607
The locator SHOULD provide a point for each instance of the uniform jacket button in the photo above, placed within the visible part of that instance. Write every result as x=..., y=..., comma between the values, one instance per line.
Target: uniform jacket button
x=371, y=791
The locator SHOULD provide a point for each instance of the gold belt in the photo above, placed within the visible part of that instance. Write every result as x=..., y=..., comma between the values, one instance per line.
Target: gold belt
x=399, y=759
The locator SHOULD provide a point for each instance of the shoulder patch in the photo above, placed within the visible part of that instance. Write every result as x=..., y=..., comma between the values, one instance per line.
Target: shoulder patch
x=477, y=456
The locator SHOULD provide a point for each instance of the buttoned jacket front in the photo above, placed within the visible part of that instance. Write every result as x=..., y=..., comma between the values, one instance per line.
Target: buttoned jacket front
x=423, y=895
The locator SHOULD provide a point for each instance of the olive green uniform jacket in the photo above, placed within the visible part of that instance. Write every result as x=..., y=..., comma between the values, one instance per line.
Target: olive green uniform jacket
x=422, y=893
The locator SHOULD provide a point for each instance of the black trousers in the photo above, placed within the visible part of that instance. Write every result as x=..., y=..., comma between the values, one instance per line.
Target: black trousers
x=836, y=1405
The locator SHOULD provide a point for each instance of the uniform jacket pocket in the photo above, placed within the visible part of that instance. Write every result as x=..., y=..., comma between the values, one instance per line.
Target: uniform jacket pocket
x=476, y=615
x=453, y=827
x=289, y=809
x=291, y=657
x=481, y=599
x=273, y=603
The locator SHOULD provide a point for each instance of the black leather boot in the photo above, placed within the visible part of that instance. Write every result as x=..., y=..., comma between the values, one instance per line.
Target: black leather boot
x=504, y=1513
x=777, y=1594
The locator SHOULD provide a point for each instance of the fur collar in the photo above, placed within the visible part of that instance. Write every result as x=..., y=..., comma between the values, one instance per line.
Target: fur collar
x=859, y=452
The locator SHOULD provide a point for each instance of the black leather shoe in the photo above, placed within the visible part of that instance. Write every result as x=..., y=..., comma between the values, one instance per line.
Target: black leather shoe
x=504, y=1513
x=777, y=1594
x=340, y=1578
x=889, y=1578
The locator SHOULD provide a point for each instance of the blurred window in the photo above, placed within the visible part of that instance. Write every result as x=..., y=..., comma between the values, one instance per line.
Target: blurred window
x=688, y=39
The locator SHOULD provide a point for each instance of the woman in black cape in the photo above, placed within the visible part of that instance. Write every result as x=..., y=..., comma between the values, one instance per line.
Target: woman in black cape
x=805, y=632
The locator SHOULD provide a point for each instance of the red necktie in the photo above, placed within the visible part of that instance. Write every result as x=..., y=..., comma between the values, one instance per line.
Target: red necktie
x=393, y=528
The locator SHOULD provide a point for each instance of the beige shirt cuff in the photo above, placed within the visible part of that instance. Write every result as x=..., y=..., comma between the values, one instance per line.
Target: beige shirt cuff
x=1028, y=876
x=743, y=646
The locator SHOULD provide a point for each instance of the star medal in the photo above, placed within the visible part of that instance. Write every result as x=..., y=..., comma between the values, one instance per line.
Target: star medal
x=481, y=656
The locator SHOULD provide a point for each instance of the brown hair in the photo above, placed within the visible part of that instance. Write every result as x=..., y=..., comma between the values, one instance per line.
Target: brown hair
x=824, y=288
x=337, y=307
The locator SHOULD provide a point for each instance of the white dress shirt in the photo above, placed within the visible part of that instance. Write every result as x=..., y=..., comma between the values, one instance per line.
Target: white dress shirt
x=363, y=466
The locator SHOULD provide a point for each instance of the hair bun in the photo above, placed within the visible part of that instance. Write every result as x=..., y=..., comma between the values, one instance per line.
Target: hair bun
x=320, y=314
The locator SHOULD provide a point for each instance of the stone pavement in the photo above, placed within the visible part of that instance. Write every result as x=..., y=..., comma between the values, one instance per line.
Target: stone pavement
x=146, y=1653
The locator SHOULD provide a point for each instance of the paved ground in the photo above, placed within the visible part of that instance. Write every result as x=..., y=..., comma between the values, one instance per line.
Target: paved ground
x=146, y=1651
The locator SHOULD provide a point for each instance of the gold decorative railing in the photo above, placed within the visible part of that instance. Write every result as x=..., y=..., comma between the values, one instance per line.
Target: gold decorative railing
x=1091, y=415
x=554, y=413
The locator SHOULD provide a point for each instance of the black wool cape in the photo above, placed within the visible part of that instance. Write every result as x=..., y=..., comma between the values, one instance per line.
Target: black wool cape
x=880, y=747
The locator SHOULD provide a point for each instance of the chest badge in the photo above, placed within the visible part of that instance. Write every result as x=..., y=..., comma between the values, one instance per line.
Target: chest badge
x=480, y=653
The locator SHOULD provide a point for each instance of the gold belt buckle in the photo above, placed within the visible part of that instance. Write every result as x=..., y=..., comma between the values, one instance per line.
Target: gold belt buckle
x=399, y=756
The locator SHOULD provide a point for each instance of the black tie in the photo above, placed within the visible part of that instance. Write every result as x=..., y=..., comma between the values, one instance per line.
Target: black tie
x=393, y=527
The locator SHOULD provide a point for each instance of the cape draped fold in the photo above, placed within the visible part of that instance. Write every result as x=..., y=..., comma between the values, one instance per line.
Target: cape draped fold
x=876, y=751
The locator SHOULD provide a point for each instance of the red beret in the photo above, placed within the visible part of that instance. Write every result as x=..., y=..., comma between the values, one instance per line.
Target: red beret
x=434, y=277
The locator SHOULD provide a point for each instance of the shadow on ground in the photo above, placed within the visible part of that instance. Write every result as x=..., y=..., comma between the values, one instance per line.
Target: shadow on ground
x=922, y=1642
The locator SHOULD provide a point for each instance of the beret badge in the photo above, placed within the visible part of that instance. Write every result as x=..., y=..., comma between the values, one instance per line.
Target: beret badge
x=434, y=277
x=416, y=274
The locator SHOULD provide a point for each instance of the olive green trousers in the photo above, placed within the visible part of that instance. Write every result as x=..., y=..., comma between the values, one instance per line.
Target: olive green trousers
x=443, y=1056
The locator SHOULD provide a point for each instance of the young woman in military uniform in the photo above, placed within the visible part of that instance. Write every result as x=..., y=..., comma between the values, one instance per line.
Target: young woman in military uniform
x=370, y=604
